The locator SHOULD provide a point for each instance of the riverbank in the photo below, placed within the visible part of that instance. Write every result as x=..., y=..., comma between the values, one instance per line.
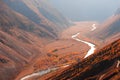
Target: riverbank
x=65, y=50
x=92, y=46
x=43, y=72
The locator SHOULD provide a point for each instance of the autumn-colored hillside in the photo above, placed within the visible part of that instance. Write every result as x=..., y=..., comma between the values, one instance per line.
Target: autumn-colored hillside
x=109, y=30
x=24, y=29
x=35, y=37
x=103, y=65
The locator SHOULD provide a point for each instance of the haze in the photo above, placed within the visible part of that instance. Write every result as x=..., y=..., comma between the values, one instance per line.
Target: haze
x=86, y=10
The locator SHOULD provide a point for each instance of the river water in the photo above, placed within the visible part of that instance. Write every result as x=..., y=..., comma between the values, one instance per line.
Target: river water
x=90, y=52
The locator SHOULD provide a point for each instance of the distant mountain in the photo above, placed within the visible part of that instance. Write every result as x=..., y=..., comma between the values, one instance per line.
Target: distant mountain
x=84, y=10
x=103, y=65
x=110, y=29
x=39, y=12
x=25, y=27
x=117, y=12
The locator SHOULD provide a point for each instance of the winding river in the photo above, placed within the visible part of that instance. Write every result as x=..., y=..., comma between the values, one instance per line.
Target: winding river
x=93, y=27
x=92, y=46
x=90, y=52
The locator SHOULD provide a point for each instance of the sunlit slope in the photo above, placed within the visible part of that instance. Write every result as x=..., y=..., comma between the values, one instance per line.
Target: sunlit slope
x=110, y=29
x=104, y=64
x=23, y=33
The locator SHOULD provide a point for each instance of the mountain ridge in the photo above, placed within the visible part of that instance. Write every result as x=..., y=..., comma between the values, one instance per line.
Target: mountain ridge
x=23, y=33
x=109, y=30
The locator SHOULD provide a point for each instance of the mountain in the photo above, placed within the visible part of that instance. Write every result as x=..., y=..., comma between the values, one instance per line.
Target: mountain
x=103, y=65
x=110, y=29
x=39, y=12
x=25, y=27
x=117, y=12
x=84, y=10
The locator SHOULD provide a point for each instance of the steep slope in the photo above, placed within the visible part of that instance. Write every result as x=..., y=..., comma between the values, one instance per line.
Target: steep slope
x=40, y=12
x=117, y=12
x=103, y=65
x=23, y=33
x=110, y=29
x=12, y=19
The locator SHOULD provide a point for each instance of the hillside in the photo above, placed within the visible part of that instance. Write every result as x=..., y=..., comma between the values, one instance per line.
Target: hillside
x=35, y=37
x=24, y=30
x=40, y=13
x=110, y=29
x=103, y=65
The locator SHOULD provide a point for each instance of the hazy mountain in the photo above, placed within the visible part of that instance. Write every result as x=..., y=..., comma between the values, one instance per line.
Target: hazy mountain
x=30, y=36
x=25, y=26
x=109, y=30
x=117, y=12
x=104, y=65
x=38, y=11
x=86, y=10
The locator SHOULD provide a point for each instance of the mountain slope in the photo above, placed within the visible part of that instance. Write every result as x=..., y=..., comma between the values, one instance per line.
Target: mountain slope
x=103, y=65
x=23, y=33
x=40, y=12
x=110, y=29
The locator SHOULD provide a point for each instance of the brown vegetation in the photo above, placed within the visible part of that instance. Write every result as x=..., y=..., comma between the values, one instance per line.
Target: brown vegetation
x=103, y=65
x=24, y=30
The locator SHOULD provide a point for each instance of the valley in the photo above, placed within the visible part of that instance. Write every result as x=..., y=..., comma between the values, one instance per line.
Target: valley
x=66, y=50
x=61, y=65
x=93, y=67
x=37, y=42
